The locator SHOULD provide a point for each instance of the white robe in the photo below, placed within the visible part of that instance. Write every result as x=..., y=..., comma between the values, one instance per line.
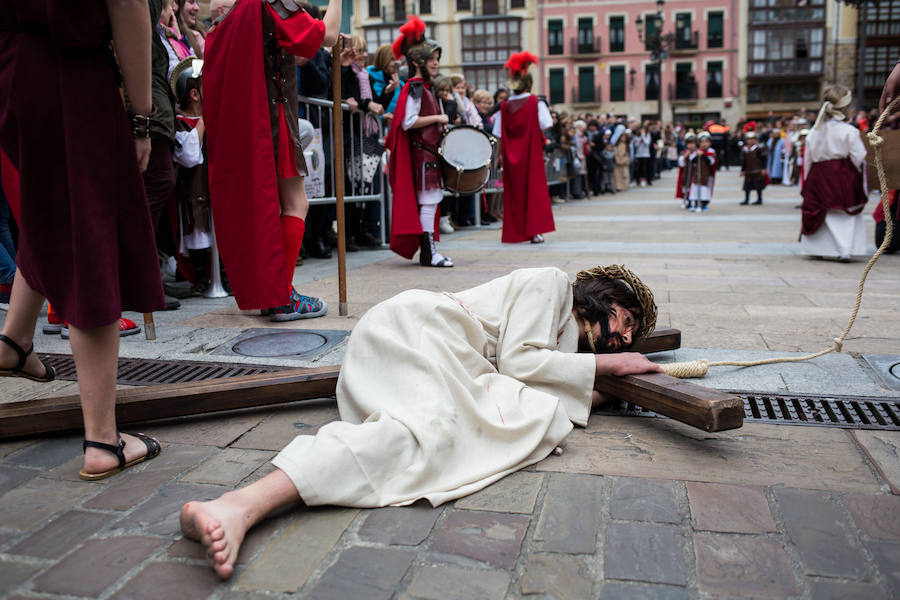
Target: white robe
x=841, y=234
x=443, y=394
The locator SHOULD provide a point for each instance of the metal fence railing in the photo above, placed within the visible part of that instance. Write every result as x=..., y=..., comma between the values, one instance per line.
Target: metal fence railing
x=319, y=112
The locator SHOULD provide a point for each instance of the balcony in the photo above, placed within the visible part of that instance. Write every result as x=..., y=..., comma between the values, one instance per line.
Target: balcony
x=595, y=98
x=683, y=92
x=578, y=49
x=686, y=42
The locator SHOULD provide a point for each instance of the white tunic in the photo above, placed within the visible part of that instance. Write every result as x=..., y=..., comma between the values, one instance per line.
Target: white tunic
x=841, y=234
x=443, y=394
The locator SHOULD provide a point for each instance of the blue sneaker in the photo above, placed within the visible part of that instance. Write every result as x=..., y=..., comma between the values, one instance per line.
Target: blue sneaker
x=300, y=307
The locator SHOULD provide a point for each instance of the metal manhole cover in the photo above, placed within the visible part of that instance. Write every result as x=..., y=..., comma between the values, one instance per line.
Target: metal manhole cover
x=282, y=343
x=886, y=368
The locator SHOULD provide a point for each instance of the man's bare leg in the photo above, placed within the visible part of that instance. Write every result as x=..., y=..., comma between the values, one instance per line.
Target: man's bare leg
x=221, y=524
x=292, y=196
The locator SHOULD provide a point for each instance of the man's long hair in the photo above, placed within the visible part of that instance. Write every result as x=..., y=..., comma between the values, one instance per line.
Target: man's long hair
x=594, y=299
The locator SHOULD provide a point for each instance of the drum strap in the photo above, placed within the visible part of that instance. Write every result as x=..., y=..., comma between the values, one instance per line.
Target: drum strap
x=429, y=149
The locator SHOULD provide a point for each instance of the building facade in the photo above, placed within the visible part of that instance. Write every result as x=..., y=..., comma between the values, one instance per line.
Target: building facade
x=594, y=58
x=476, y=36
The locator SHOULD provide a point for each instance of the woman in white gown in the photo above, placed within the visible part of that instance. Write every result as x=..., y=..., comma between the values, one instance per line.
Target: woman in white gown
x=442, y=394
x=833, y=191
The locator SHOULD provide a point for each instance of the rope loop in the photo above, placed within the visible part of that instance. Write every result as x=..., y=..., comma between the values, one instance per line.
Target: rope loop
x=875, y=140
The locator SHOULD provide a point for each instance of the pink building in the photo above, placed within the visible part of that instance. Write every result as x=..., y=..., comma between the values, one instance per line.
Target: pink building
x=594, y=59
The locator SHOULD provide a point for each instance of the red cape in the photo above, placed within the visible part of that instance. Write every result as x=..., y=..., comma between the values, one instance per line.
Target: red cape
x=526, y=198
x=406, y=229
x=878, y=214
x=242, y=180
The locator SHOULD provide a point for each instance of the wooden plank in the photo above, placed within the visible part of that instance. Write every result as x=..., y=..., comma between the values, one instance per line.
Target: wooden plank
x=698, y=406
x=659, y=341
x=684, y=401
x=63, y=413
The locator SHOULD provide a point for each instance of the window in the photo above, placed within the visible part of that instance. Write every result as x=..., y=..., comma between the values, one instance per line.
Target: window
x=425, y=7
x=685, y=85
x=555, y=37
x=399, y=10
x=617, y=34
x=485, y=78
x=715, y=27
x=617, y=84
x=557, y=86
x=782, y=92
x=517, y=3
x=787, y=50
x=489, y=40
x=684, y=36
x=586, y=84
x=379, y=35
x=375, y=8
x=651, y=82
x=714, y=79
x=490, y=7
x=770, y=11
x=463, y=4
x=585, y=35
x=883, y=18
x=650, y=30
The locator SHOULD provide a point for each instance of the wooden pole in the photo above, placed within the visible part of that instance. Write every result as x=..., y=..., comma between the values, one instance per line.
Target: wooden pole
x=149, y=326
x=338, y=170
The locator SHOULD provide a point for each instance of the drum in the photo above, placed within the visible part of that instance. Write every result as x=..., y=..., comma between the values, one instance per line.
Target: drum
x=466, y=154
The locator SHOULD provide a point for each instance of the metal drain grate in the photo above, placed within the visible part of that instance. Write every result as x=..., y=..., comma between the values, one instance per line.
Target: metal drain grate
x=849, y=412
x=144, y=371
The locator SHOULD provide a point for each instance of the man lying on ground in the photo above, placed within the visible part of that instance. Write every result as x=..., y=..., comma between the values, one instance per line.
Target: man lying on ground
x=442, y=394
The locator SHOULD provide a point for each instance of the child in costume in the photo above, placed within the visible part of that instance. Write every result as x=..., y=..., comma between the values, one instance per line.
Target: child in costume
x=753, y=168
x=527, y=211
x=702, y=174
x=683, y=185
x=417, y=183
x=256, y=163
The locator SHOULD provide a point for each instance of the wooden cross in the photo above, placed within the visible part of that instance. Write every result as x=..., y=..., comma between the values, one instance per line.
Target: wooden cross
x=687, y=402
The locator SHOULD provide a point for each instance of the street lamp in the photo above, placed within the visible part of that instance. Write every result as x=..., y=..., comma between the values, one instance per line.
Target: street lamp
x=658, y=43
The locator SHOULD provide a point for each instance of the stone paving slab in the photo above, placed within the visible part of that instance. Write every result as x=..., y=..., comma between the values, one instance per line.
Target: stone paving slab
x=812, y=457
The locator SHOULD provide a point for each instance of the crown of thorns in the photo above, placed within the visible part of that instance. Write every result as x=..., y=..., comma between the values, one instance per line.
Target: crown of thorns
x=641, y=291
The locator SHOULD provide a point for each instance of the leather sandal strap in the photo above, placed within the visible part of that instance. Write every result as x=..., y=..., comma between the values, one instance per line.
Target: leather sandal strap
x=118, y=450
x=22, y=354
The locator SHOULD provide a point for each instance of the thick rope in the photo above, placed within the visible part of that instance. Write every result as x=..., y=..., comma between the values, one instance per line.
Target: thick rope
x=699, y=368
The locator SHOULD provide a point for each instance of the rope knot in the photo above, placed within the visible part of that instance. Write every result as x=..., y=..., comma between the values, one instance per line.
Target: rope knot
x=874, y=139
x=838, y=345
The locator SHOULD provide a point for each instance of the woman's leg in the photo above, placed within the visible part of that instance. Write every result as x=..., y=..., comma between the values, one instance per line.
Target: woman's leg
x=221, y=524
x=24, y=308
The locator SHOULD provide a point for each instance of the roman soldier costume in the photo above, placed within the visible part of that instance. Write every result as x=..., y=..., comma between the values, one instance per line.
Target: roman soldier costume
x=414, y=172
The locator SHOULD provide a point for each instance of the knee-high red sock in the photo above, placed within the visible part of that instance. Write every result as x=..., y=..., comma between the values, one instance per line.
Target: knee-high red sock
x=292, y=229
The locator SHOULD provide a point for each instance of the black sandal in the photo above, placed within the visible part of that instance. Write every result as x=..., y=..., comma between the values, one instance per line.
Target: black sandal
x=153, y=450
x=49, y=374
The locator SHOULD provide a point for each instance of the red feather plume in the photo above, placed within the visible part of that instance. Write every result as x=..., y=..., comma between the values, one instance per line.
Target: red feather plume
x=750, y=126
x=518, y=63
x=410, y=32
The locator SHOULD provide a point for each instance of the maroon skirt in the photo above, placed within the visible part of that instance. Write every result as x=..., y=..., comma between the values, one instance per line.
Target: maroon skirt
x=86, y=240
x=831, y=185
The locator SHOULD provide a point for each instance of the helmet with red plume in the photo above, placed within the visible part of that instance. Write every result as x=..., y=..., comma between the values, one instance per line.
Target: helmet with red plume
x=519, y=77
x=413, y=44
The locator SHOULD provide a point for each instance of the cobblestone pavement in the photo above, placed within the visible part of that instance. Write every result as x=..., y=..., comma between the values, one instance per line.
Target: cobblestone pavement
x=643, y=508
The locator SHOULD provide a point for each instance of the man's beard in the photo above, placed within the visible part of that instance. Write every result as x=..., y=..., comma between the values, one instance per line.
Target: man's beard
x=608, y=343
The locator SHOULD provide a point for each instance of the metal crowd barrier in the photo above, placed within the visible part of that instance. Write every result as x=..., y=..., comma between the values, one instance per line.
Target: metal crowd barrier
x=319, y=112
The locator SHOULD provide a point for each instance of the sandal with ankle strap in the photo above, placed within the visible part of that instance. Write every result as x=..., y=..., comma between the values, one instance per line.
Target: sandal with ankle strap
x=153, y=450
x=49, y=373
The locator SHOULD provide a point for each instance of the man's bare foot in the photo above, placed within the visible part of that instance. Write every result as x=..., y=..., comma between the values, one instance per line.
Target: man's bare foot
x=220, y=525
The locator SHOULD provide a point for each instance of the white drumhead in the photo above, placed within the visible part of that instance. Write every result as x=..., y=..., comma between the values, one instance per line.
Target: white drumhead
x=466, y=147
